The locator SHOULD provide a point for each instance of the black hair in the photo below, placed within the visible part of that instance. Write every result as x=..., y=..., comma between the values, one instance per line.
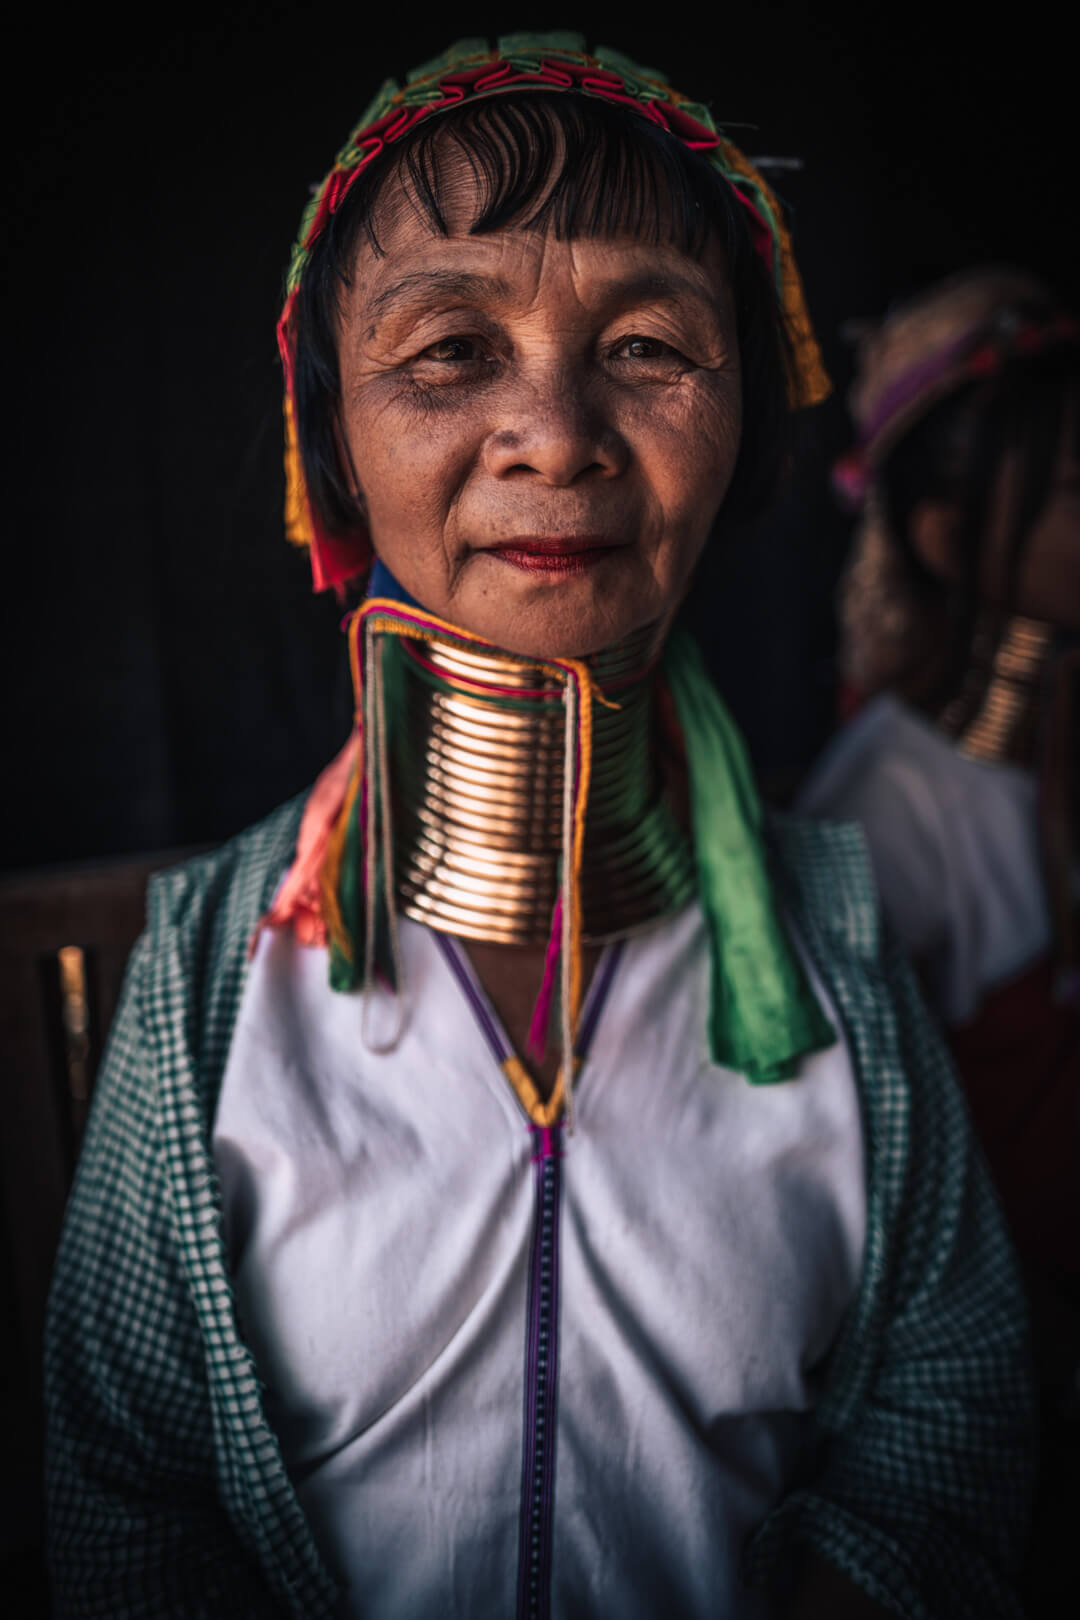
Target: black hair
x=578, y=166
x=954, y=454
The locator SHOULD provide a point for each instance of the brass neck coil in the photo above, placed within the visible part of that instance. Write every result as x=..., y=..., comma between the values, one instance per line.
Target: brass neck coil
x=993, y=717
x=477, y=791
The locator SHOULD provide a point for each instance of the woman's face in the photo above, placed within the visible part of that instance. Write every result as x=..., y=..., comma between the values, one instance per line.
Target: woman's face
x=541, y=431
x=1047, y=583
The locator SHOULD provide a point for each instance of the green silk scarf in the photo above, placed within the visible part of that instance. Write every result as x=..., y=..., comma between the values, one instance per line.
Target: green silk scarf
x=763, y=1014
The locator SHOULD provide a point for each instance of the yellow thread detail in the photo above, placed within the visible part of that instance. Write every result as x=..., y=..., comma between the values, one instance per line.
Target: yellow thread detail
x=809, y=382
x=355, y=669
x=585, y=684
x=539, y=1110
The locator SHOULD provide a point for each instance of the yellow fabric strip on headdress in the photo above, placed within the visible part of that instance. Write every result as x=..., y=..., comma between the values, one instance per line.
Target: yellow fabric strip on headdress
x=298, y=526
x=809, y=381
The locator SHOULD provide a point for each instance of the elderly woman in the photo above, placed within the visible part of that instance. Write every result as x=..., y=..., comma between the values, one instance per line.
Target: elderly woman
x=558, y=1205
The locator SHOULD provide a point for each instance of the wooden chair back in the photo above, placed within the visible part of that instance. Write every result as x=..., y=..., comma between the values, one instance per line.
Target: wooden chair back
x=65, y=937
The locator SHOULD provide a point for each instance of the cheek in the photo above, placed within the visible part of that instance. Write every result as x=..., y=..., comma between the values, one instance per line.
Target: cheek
x=688, y=451
x=408, y=468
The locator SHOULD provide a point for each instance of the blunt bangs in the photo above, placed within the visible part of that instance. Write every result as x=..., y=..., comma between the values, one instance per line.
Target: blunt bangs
x=576, y=166
x=572, y=165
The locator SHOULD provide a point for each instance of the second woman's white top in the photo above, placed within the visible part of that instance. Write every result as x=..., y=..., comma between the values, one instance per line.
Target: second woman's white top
x=517, y=1371
x=954, y=844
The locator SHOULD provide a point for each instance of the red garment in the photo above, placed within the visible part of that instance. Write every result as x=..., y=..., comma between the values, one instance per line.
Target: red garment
x=1019, y=1061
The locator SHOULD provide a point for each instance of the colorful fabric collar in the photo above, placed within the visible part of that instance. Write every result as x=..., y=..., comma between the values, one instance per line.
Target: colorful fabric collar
x=472, y=69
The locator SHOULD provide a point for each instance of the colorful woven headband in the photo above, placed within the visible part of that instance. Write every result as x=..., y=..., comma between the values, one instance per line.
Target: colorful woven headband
x=471, y=69
x=981, y=351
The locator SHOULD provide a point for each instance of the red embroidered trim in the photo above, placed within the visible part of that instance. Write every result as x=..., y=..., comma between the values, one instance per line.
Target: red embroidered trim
x=456, y=87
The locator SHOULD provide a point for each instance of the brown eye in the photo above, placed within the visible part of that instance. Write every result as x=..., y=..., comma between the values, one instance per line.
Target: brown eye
x=463, y=351
x=640, y=350
x=645, y=348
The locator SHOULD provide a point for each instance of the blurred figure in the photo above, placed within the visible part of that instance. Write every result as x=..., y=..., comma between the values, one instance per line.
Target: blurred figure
x=961, y=759
x=961, y=650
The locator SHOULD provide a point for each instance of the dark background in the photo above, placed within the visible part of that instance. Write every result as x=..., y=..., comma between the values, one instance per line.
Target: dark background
x=169, y=676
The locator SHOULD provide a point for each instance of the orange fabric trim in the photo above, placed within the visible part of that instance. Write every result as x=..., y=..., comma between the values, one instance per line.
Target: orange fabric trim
x=541, y=1111
x=378, y=606
x=809, y=382
x=330, y=873
x=585, y=684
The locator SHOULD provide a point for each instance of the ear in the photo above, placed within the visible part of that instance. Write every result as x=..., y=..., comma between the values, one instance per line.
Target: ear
x=934, y=534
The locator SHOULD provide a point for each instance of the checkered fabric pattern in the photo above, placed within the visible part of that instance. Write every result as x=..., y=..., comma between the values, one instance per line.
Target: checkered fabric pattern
x=167, y=1491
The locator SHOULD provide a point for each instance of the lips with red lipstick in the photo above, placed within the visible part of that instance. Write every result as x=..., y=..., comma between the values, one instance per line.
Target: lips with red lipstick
x=546, y=554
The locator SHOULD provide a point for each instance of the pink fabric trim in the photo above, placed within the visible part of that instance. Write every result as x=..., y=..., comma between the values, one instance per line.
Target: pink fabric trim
x=298, y=904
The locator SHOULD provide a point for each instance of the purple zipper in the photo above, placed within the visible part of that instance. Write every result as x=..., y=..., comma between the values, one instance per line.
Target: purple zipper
x=538, y=1451
x=542, y=1342
x=542, y=1334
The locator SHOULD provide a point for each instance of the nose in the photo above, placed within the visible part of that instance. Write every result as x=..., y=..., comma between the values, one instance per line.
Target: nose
x=553, y=432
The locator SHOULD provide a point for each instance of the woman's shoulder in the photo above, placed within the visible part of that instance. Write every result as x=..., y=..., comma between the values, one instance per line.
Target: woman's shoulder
x=889, y=761
x=186, y=974
x=221, y=895
x=824, y=874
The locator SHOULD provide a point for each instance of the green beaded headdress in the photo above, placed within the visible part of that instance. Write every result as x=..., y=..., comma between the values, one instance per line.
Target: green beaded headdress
x=470, y=69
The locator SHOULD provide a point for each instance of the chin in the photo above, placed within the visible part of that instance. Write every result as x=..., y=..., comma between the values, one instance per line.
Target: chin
x=563, y=623
x=547, y=616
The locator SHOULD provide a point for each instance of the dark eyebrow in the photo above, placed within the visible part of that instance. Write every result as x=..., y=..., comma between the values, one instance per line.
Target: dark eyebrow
x=461, y=284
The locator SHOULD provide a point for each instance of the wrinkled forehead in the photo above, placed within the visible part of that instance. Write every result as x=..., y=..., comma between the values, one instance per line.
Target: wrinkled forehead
x=554, y=243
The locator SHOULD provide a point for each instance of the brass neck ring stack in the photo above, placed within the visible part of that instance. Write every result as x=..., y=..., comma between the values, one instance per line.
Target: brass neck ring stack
x=478, y=759
x=994, y=716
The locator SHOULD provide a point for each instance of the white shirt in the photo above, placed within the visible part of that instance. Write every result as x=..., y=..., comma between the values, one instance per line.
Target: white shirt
x=954, y=844
x=407, y=1291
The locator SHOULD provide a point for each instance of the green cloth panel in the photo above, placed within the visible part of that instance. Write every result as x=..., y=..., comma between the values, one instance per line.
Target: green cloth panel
x=345, y=973
x=763, y=1014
